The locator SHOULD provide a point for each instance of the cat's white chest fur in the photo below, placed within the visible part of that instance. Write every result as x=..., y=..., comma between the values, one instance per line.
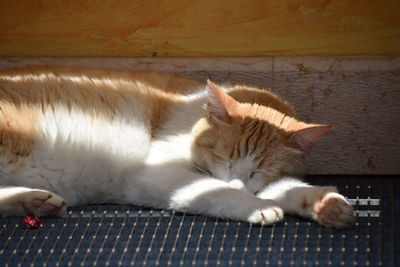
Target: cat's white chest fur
x=83, y=157
x=171, y=149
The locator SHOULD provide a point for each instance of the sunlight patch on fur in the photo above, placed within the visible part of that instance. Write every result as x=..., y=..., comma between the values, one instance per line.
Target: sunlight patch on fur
x=187, y=194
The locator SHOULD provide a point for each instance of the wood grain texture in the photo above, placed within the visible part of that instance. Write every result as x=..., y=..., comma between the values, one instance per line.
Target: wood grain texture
x=199, y=28
x=358, y=96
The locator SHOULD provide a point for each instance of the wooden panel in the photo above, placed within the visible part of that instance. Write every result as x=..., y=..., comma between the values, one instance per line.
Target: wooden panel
x=199, y=28
x=359, y=96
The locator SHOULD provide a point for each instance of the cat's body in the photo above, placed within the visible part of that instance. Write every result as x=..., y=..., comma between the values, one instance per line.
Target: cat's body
x=145, y=138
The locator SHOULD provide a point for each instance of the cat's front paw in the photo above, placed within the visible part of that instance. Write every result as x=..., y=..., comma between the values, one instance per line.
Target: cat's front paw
x=333, y=210
x=39, y=203
x=266, y=216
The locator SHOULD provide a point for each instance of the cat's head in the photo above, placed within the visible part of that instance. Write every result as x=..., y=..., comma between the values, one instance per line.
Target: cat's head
x=249, y=144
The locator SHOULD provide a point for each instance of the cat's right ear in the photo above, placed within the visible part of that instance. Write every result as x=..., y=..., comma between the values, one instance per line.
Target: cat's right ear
x=219, y=104
x=307, y=135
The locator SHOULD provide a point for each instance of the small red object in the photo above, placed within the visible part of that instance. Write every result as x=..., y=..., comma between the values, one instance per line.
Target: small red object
x=32, y=222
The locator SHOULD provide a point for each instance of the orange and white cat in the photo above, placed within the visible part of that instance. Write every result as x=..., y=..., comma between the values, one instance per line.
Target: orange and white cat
x=79, y=136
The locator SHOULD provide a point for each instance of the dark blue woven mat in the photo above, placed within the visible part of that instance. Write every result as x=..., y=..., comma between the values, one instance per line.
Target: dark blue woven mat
x=127, y=235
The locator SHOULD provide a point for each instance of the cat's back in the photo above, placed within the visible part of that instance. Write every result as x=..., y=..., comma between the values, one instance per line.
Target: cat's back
x=102, y=94
x=88, y=88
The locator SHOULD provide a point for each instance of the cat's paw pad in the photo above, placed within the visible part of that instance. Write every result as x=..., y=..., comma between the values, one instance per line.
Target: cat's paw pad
x=42, y=203
x=266, y=216
x=333, y=210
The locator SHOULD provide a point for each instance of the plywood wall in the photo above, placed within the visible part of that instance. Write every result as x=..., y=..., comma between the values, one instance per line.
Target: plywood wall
x=198, y=28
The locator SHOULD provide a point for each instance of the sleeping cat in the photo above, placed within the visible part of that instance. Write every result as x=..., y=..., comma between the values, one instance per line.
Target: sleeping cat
x=79, y=136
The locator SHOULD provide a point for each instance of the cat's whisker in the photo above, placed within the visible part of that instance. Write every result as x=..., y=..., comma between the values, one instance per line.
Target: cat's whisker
x=193, y=165
x=296, y=160
x=200, y=169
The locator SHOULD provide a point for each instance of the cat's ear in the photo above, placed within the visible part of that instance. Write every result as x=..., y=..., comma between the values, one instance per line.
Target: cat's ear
x=220, y=105
x=306, y=135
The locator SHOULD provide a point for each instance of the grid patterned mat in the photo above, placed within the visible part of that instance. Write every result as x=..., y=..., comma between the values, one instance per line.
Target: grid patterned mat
x=126, y=235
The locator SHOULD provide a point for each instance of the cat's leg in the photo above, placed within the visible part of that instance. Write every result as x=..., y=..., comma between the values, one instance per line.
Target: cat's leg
x=218, y=199
x=321, y=203
x=22, y=201
x=187, y=191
